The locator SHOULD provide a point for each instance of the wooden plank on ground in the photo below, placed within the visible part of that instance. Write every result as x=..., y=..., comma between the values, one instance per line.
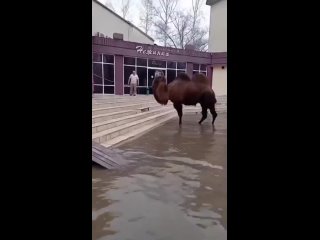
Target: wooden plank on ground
x=105, y=157
x=102, y=163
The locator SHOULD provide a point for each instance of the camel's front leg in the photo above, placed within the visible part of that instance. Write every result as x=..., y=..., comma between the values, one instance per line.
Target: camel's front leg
x=178, y=107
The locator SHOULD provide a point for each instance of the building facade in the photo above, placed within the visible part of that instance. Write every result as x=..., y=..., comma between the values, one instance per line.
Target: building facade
x=114, y=60
x=107, y=22
x=218, y=43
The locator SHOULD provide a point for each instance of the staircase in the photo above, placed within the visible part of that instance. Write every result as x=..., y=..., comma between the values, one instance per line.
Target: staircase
x=119, y=118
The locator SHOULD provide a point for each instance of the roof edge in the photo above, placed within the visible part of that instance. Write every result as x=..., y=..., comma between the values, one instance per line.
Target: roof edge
x=212, y=2
x=117, y=15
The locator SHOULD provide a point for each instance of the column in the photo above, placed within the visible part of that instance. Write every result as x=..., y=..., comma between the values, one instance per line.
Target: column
x=209, y=73
x=190, y=69
x=118, y=78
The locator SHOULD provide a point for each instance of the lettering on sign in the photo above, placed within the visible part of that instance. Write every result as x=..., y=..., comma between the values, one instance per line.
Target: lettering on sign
x=151, y=52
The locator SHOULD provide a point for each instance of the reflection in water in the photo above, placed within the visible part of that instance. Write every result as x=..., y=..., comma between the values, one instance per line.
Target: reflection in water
x=174, y=189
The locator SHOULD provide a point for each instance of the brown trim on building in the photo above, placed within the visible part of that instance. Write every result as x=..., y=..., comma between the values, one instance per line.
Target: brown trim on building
x=219, y=58
x=132, y=46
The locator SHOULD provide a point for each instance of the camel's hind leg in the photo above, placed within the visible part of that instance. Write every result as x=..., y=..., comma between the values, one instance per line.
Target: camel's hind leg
x=214, y=114
x=178, y=107
x=204, y=113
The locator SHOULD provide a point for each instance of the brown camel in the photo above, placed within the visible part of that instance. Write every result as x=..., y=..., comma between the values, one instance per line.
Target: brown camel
x=184, y=90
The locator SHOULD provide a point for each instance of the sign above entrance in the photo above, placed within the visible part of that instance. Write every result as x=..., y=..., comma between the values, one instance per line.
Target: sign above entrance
x=151, y=52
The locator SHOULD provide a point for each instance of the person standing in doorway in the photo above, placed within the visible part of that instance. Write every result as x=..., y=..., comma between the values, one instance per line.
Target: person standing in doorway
x=133, y=82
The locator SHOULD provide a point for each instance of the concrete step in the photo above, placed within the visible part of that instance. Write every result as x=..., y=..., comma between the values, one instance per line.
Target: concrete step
x=117, y=141
x=118, y=114
x=113, y=115
x=107, y=135
x=116, y=100
x=104, y=125
x=119, y=103
x=120, y=97
x=221, y=104
x=127, y=100
x=103, y=110
x=222, y=98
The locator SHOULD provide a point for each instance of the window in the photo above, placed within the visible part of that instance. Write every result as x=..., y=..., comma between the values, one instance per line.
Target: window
x=181, y=71
x=142, y=90
x=140, y=66
x=96, y=57
x=97, y=73
x=142, y=62
x=97, y=89
x=108, y=71
x=172, y=65
x=103, y=73
x=142, y=73
x=129, y=61
x=108, y=59
x=127, y=90
x=157, y=63
x=181, y=65
x=171, y=74
x=200, y=68
x=108, y=89
x=146, y=70
x=151, y=73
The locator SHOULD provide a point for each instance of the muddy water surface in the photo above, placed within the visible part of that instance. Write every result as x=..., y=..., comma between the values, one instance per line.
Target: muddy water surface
x=174, y=187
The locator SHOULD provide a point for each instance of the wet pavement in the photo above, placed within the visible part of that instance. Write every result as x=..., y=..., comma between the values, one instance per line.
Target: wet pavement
x=175, y=187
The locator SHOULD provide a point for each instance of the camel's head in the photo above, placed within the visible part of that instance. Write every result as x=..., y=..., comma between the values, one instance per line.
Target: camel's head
x=160, y=90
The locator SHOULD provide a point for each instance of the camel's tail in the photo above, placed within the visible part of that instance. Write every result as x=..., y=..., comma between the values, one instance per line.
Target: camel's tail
x=160, y=90
x=209, y=98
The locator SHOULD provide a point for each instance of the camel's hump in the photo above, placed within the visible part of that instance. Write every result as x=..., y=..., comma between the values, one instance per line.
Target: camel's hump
x=183, y=76
x=201, y=78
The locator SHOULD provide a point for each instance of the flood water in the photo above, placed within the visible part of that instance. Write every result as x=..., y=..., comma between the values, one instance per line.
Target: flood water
x=174, y=188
